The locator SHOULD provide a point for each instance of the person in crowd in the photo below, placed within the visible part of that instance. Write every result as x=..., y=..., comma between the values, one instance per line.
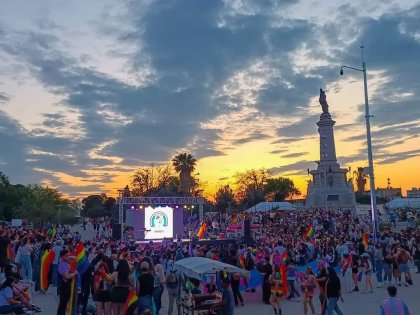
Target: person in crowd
x=346, y=271
x=333, y=292
x=321, y=279
x=266, y=287
x=416, y=257
x=368, y=272
x=235, y=284
x=121, y=285
x=250, y=264
x=145, y=286
x=387, y=265
x=378, y=263
x=308, y=289
x=276, y=290
x=403, y=258
x=393, y=305
x=25, y=259
x=355, y=270
x=65, y=276
x=291, y=278
x=102, y=282
x=7, y=303
x=160, y=280
x=4, y=244
x=172, y=285
x=54, y=274
x=227, y=298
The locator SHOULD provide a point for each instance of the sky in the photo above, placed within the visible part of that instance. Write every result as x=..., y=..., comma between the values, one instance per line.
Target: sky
x=92, y=90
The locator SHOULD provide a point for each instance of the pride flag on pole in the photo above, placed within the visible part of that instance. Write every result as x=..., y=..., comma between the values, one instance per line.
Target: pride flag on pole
x=47, y=259
x=310, y=232
x=72, y=306
x=130, y=304
x=83, y=263
x=366, y=240
x=202, y=230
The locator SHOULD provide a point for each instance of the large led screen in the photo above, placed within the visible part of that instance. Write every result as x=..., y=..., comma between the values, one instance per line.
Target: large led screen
x=159, y=221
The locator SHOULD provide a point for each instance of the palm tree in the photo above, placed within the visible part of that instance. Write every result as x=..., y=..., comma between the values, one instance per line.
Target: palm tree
x=361, y=179
x=184, y=164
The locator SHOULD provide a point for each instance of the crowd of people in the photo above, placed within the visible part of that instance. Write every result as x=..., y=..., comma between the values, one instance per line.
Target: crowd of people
x=338, y=258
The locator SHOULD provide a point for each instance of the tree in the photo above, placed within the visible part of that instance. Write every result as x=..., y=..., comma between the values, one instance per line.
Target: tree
x=361, y=179
x=155, y=181
x=184, y=164
x=278, y=189
x=34, y=203
x=41, y=204
x=93, y=206
x=224, y=198
x=249, y=186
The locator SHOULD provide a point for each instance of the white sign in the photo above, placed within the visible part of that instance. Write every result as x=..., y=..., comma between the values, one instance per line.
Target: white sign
x=16, y=222
x=159, y=221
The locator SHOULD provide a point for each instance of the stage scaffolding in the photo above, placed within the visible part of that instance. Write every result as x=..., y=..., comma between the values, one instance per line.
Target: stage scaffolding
x=123, y=200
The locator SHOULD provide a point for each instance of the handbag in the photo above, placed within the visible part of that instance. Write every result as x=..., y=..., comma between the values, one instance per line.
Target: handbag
x=17, y=257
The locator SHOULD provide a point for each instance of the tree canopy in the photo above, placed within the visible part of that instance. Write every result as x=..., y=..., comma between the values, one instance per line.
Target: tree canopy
x=34, y=203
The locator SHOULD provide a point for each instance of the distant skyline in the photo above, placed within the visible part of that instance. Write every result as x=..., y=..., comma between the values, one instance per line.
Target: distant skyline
x=92, y=90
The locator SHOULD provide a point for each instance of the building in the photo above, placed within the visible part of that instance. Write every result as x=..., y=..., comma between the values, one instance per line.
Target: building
x=387, y=193
x=413, y=193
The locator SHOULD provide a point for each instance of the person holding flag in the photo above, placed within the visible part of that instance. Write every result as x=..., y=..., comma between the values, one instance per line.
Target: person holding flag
x=65, y=278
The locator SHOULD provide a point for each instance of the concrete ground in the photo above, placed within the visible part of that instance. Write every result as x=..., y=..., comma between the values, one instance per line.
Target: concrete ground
x=354, y=303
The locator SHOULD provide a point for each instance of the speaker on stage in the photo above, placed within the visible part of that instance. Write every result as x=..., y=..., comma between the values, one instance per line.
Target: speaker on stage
x=247, y=231
x=116, y=231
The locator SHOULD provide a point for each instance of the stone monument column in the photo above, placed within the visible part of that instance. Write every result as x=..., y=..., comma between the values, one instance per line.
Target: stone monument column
x=329, y=188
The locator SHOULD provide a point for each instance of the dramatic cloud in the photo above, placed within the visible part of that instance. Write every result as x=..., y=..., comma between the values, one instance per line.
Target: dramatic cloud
x=87, y=97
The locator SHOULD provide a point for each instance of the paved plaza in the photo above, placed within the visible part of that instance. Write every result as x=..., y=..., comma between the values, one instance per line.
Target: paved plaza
x=354, y=303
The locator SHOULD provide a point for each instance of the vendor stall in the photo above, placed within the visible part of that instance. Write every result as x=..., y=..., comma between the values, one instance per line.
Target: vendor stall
x=202, y=269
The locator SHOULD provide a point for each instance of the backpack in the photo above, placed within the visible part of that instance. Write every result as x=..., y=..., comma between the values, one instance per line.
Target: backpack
x=172, y=280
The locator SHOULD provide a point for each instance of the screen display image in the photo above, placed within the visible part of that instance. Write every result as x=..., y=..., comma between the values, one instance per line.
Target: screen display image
x=159, y=221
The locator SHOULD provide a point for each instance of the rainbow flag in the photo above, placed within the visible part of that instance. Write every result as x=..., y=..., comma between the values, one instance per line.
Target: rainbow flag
x=83, y=263
x=131, y=303
x=284, y=278
x=242, y=260
x=310, y=232
x=202, y=230
x=52, y=231
x=284, y=257
x=10, y=253
x=47, y=259
x=235, y=218
x=366, y=240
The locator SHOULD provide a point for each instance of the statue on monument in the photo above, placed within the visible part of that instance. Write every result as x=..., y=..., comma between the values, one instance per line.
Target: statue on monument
x=323, y=101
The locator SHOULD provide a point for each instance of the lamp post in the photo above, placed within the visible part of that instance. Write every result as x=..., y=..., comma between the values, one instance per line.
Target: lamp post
x=59, y=215
x=369, y=147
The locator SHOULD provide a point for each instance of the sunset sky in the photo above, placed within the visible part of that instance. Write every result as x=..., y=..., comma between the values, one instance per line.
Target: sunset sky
x=92, y=90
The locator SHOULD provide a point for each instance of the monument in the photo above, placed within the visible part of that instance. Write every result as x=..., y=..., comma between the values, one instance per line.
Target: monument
x=329, y=187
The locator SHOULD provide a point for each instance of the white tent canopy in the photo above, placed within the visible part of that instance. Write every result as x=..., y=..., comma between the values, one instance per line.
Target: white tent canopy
x=268, y=206
x=404, y=203
x=195, y=267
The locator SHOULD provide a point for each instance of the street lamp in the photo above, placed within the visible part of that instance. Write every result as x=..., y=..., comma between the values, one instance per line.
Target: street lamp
x=369, y=145
x=59, y=215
